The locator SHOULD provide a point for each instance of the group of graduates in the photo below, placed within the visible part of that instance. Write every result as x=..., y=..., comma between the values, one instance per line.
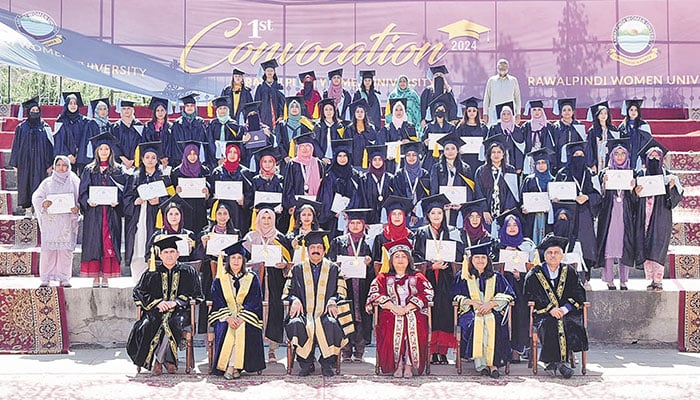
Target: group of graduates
x=369, y=187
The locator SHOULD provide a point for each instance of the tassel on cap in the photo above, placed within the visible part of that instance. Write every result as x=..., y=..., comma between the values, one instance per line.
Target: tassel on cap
x=303, y=250
x=436, y=150
x=365, y=162
x=292, y=149
x=397, y=156
x=385, y=262
x=137, y=156
x=152, y=261
x=341, y=132
x=326, y=244
x=465, y=268
x=159, y=220
x=387, y=109
x=316, y=112
x=210, y=110
x=252, y=220
x=220, y=266
x=214, y=207
x=171, y=190
x=292, y=222
x=285, y=115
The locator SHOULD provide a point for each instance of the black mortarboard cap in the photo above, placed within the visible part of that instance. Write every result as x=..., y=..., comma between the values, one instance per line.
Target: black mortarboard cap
x=499, y=138
x=629, y=103
x=335, y=72
x=540, y=154
x=252, y=106
x=613, y=143
x=398, y=203
x=499, y=108
x=367, y=74
x=359, y=103
x=168, y=242
x=126, y=103
x=376, y=150
x=189, y=99
x=595, y=109
x=452, y=138
x=158, y=101
x=93, y=103
x=438, y=69
x=78, y=97
x=434, y=201
x=357, y=213
x=269, y=64
x=481, y=248
x=316, y=237
x=303, y=75
x=471, y=102
x=268, y=151
x=412, y=145
x=553, y=241
x=573, y=147
x=34, y=101
x=298, y=99
x=402, y=100
x=154, y=147
x=502, y=216
x=475, y=205
x=237, y=248
x=220, y=102
x=442, y=100
x=175, y=200
x=344, y=145
x=307, y=137
x=649, y=145
x=237, y=71
x=560, y=103
x=103, y=138
x=303, y=201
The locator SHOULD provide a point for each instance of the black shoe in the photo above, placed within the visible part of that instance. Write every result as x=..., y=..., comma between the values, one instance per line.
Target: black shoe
x=327, y=372
x=565, y=371
x=485, y=372
x=623, y=287
x=443, y=359
x=551, y=367
x=305, y=372
x=495, y=374
x=611, y=287
x=435, y=360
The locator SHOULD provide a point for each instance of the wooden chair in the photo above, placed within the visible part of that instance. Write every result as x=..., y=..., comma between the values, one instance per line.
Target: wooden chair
x=534, y=335
x=188, y=336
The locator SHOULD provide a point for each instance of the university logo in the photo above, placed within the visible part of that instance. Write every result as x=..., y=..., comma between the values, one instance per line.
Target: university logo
x=40, y=26
x=633, y=38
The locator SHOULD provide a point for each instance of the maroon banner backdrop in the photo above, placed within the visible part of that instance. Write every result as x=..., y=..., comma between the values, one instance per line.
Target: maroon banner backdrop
x=592, y=50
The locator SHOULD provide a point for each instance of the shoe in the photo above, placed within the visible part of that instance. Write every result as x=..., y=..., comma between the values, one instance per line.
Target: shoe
x=485, y=372
x=95, y=284
x=271, y=357
x=515, y=357
x=435, y=360
x=358, y=359
x=495, y=374
x=623, y=287
x=171, y=368
x=658, y=287
x=305, y=372
x=157, y=369
x=651, y=287
x=443, y=359
x=611, y=287
x=104, y=284
x=44, y=284
x=66, y=284
x=327, y=371
x=551, y=367
x=565, y=371
x=231, y=374
x=346, y=359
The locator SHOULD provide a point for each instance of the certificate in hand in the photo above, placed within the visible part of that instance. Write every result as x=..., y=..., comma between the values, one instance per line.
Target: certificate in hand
x=192, y=187
x=352, y=267
x=268, y=197
x=152, y=190
x=536, y=201
x=441, y=250
x=619, y=179
x=652, y=185
x=472, y=144
x=562, y=190
x=270, y=254
x=340, y=203
x=218, y=242
x=514, y=260
x=102, y=195
x=60, y=203
x=455, y=194
x=433, y=139
x=392, y=148
x=228, y=190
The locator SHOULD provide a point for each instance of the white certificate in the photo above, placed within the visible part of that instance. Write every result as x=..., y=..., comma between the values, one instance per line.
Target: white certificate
x=60, y=203
x=270, y=254
x=228, y=190
x=305, y=197
x=340, y=203
x=372, y=231
x=514, y=260
x=441, y=250
x=218, y=242
x=192, y=187
x=536, y=201
x=102, y=195
x=352, y=267
x=152, y=190
x=268, y=197
x=433, y=139
x=472, y=144
x=296, y=258
x=652, y=185
x=619, y=179
x=562, y=190
x=392, y=148
x=455, y=194
x=183, y=246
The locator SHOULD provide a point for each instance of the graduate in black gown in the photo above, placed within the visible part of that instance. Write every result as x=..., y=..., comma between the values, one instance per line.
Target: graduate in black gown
x=256, y=135
x=472, y=224
x=98, y=112
x=496, y=181
x=412, y=181
x=341, y=98
x=189, y=127
x=32, y=152
x=398, y=130
x=70, y=129
x=362, y=132
x=129, y=133
x=439, y=271
x=587, y=203
x=305, y=220
x=140, y=213
x=270, y=94
x=314, y=289
x=191, y=166
x=558, y=296
x=269, y=180
x=539, y=134
x=538, y=224
x=237, y=316
x=471, y=126
x=354, y=244
x=370, y=95
x=653, y=225
x=635, y=129
x=451, y=171
x=294, y=125
x=164, y=294
x=238, y=95
x=328, y=129
x=231, y=170
x=303, y=173
x=599, y=133
x=221, y=129
x=439, y=125
x=340, y=180
x=513, y=138
x=158, y=129
x=171, y=220
x=309, y=95
x=567, y=129
x=438, y=88
x=375, y=184
x=395, y=228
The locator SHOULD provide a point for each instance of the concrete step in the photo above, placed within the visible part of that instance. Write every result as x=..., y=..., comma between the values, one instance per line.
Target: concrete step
x=18, y=231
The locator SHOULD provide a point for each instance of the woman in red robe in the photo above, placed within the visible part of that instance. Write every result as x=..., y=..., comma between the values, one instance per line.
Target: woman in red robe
x=403, y=295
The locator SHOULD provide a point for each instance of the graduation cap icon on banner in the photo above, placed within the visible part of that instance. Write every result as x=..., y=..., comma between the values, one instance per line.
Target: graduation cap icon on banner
x=465, y=28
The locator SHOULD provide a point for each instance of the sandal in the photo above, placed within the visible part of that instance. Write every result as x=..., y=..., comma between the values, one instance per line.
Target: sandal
x=66, y=284
x=95, y=284
x=611, y=287
x=443, y=359
x=157, y=369
x=434, y=360
x=658, y=287
x=271, y=358
x=623, y=287
x=104, y=284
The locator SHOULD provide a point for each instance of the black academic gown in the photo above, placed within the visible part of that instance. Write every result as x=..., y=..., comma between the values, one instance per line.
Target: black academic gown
x=240, y=215
x=564, y=134
x=565, y=291
x=341, y=246
x=334, y=183
x=322, y=132
x=283, y=132
x=389, y=133
x=183, y=131
x=375, y=108
x=32, y=155
x=639, y=134
x=369, y=193
x=472, y=159
x=484, y=188
x=237, y=296
x=70, y=133
x=547, y=138
x=434, y=127
x=344, y=106
x=128, y=138
x=530, y=184
x=246, y=153
x=164, y=136
x=427, y=97
x=132, y=212
x=196, y=218
x=402, y=186
x=272, y=100
x=360, y=141
x=595, y=137
x=93, y=129
x=439, y=176
x=231, y=133
x=92, y=216
x=294, y=183
x=274, y=185
x=629, y=209
x=652, y=243
x=514, y=144
x=245, y=97
x=180, y=284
